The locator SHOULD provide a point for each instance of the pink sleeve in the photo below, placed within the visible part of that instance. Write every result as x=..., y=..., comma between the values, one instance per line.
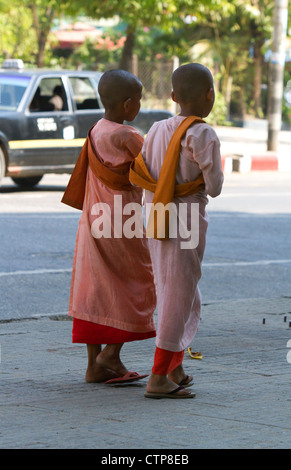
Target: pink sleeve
x=206, y=151
x=134, y=142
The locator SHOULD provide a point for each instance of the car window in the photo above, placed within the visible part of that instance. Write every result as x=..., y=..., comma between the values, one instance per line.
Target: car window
x=12, y=89
x=84, y=93
x=49, y=96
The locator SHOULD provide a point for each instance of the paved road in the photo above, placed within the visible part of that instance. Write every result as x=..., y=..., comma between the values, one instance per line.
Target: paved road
x=242, y=384
x=249, y=243
x=248, y=251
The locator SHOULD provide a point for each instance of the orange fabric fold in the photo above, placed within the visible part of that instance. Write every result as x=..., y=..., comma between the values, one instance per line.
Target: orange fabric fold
x=165, y=189
x=75, y=191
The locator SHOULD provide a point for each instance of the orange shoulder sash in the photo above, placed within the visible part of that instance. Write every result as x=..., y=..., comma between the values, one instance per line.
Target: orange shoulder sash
x=165, y=189
x=75, y=191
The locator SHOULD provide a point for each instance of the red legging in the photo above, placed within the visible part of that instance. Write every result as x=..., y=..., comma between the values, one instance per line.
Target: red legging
x=166, y=361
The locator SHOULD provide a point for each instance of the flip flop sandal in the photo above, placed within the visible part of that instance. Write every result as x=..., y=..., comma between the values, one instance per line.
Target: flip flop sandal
x=187, y=382
x=173, y=394
x=128, y=377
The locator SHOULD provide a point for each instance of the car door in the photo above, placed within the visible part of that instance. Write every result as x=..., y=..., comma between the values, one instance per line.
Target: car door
x=49, y=128
x=87, y=106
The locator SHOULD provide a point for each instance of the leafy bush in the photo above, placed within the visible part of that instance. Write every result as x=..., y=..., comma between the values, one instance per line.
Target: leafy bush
x=217, y=117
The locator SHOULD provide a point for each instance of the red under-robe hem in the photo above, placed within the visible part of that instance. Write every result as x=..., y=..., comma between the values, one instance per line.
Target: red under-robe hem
x=93, y=333
x=166, y=361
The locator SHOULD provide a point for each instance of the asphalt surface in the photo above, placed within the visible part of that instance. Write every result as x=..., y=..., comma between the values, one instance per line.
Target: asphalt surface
x=242, y=387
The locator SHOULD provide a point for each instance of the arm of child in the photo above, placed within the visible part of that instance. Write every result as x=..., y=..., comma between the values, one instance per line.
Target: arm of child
x=208, y=157
x=134, y=142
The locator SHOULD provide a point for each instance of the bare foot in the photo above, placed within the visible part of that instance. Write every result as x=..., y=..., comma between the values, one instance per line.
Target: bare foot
x=178, y=376
x=161, y=384
x=96, y=374
x=109, y=359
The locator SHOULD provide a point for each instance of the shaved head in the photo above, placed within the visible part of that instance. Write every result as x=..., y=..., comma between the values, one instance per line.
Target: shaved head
x=116, y=86
x=190, y=81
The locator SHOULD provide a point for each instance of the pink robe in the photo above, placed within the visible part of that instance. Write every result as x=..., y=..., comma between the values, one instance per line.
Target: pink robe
x=177, y=271
x=112, y=279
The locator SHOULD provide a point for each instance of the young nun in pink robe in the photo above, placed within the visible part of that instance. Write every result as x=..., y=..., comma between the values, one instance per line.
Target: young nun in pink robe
x=177, y=270
x=112, y=297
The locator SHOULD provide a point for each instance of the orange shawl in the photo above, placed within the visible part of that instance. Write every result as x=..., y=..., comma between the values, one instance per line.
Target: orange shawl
x=165, y=189
x=75, y=191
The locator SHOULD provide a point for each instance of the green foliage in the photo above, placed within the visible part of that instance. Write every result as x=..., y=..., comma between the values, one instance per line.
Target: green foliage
x=89, y=55
x=230, y=36
x=218, y=117
x=286, y=105
x=286, y=112
x=17, y=35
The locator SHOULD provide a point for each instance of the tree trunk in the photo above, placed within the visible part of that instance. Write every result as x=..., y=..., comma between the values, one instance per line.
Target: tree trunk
x=257, y=82
x=228, y=96
x=40, y=54
x=242, y=102
x=42, y=26
x=276, y=75
x=127, y=52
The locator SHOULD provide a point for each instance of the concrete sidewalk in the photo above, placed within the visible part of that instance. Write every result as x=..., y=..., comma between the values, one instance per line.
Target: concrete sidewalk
x=245, y=149
x=242, y=387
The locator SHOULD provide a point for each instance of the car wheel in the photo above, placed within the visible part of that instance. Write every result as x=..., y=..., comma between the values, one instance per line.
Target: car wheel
x=29, y=182
x=2, y=165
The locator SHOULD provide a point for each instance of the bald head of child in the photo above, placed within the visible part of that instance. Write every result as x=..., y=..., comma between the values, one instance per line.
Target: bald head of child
x=120, y=92
x=193, y=89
